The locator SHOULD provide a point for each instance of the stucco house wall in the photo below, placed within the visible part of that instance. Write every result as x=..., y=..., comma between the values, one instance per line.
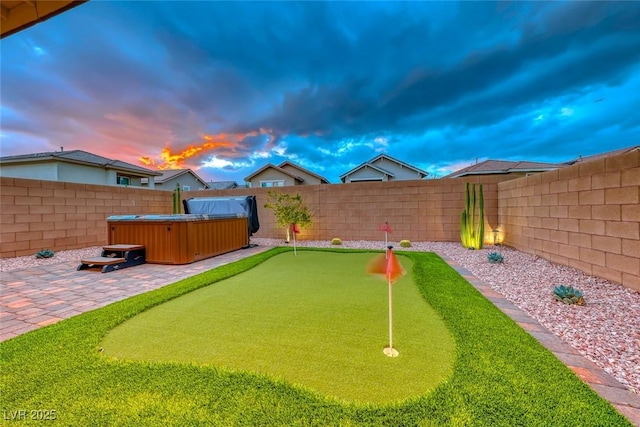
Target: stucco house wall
x=271, y=174
x=47, y=171
x=70, y=172
x=184, y=180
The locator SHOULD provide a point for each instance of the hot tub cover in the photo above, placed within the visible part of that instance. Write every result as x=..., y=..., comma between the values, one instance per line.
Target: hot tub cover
x=171, y=217
x=241, y=205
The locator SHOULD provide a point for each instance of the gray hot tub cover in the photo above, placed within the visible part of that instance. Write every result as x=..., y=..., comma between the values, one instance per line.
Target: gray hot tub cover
x=245, y=205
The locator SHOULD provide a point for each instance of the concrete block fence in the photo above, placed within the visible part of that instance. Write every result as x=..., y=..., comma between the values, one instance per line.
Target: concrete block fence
x=418, y=210
x=586, y=216
x=37, y=215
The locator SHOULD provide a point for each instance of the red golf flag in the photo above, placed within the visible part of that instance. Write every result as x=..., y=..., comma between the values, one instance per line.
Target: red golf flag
x=389, y=267
x=385, y=227
x=295, y=228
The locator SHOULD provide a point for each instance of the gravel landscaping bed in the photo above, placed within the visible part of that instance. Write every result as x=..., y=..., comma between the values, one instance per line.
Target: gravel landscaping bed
x=21, y=262
x=606, y=330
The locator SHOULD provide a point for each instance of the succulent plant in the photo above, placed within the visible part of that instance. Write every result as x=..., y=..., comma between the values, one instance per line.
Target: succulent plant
x=45, y=253
x=495, y=258
x=405, y=243
x=177, y=207
x=472, y=226
x=336, y=241
x=568, y=295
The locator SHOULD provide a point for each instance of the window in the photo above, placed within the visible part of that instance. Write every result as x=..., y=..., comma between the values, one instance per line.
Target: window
x=272, y=183
x=186, y=188
x=123, y=180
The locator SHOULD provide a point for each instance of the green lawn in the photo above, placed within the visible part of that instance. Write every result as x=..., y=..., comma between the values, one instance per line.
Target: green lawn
x=501, y=375
x=316, y=320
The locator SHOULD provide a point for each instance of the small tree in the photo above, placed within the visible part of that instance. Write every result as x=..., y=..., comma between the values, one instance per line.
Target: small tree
x=288, y=210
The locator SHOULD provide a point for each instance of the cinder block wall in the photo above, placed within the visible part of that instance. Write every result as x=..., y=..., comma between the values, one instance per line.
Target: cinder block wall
x=585, y=216
x=419, y=210
x=37, y=215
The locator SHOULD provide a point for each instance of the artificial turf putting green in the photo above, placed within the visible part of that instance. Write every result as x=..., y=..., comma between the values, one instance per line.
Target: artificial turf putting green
x=316, y=320
x=501, y=376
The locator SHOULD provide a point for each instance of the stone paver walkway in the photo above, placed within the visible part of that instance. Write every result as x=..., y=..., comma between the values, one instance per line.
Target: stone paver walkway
x=41, y=296
x=32, y=298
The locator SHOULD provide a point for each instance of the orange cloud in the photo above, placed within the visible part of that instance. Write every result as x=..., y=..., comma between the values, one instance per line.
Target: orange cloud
x=178, y=160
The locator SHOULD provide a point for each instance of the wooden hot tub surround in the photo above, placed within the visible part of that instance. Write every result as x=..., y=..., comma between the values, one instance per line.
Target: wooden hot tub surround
x=180, y=239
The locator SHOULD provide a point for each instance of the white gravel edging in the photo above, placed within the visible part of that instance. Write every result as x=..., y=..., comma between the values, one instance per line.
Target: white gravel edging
x=30, y=261
x=606, y=330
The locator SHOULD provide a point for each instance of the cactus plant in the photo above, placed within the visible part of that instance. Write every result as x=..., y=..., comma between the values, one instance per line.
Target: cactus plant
x=472, y=228
x=45, y=253
x=495, y=258
x=177, y=209
x=405, y=243
x=568, y=295
x=336, y=241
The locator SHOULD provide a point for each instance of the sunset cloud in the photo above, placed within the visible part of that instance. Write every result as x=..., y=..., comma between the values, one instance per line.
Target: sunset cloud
x=225, y=88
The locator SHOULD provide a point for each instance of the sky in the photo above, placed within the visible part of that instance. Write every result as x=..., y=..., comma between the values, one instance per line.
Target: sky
x=225, y=88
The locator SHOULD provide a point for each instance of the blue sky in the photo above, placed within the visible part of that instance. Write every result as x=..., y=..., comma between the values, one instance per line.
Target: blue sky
x=224, y=88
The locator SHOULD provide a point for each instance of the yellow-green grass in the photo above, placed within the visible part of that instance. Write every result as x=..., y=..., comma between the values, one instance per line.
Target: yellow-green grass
x=316, y=320
x=501, y=375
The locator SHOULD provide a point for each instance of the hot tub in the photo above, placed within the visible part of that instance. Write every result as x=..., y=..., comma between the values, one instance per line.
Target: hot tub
x=180, y=239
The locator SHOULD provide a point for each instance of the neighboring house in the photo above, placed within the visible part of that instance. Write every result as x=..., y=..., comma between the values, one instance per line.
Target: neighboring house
x=504, y=167
x=187, y=179
x=383, y=168
x=222, y=185
x=285, y=174
x=75, y=166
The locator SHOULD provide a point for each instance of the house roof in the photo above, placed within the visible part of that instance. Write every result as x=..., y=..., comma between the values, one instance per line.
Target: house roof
x=369, y=163
x=503, y=167
x=18, y=15
x=82, y=158
x=170, y=174
x=322, y=179
x=222, y=185
x=602, y=155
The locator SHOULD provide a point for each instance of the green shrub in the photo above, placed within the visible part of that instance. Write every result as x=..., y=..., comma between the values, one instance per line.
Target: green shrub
x=336, y=241
x=495, y=258
x=45, y=253
x=405, y=243
x=568, y=295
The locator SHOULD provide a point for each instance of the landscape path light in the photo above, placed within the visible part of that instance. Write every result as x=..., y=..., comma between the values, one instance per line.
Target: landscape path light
x=495, y=232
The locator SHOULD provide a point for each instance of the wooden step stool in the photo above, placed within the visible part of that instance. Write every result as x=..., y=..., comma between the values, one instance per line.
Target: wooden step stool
x=116, y=257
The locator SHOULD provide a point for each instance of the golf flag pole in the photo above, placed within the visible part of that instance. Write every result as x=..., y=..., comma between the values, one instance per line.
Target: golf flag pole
x=390, y=268
x=296, y=230
x=386, y=234
x=387, y=229
x=393, y=271
x=391, y=349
